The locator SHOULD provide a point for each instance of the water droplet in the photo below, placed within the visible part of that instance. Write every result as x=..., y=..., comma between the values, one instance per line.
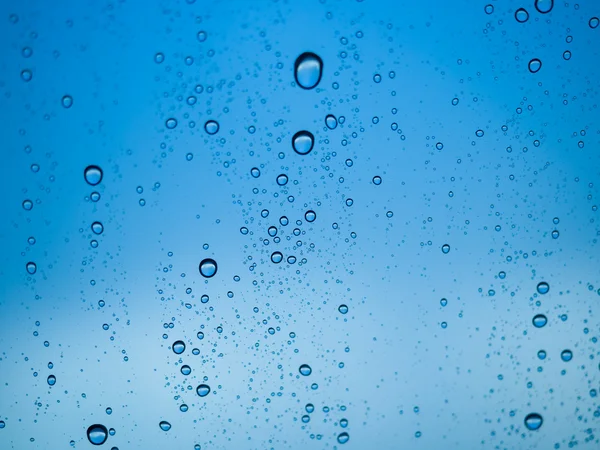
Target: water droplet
x=26, y=75
x=489, y=9
x=303, y=142
x=211, y=127
x=305, y=370
x=566, y=355
x=97, y=228
x=541, y=354
x=282, y=179
x=310, y=215
x=93, y=175
x=309, y=408
x=186, y=370
x=27, y=205
x=97, y=434
x=2, y=424
x=331, y=121
x=544, y=6
x=343, y=423
x=566, y=55
x=443, y=302
x=539, y=320
x=593, y=23
x=543, y=287
x=67, y=101
x=109, y=410
x=183, y=408
x=555, y=234
x=51, y=380
x=445, y=248
x=521, y=15
x=203, y=390
x=171, y=123
x=276, y=257
x=343, y=437
x=201, y=36
x=533, y=421
x=308, y=69
x=31, y=268
x=164, y=425
x=159, y=58
x=439, y=146
x=255, y=172
x=454, y=101
x=208, y=268
x=377, y=180
x=178, y=347
x=535, y=65
x=343, y=309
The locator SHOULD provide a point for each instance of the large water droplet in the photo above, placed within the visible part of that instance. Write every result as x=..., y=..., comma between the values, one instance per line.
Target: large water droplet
x=544, y=6
x=255, y=172
x=543, y=287
x=308, y=69
x=97, y=434
x=539, y=320
x=211, y=127
x=282, y=179
x=305, y=370
x=331, y=121
x=51, y=380
x=178, y=347
x=535, y=65
x=310, y=215
x=343, y=437
x=208, y=267
x=164, y=425
x=541, y=354
x=93, y=175
x=276, y=257
x=303, y=142
x=31, y=268
x=533, y=421
x=566, y=355
x=97, y=228
x=203, y=390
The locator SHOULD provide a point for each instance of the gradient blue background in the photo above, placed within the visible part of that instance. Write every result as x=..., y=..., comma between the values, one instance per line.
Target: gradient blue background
x=469, y=380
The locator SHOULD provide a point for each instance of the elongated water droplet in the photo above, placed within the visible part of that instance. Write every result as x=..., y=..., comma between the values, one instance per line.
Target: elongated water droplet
x=178, y=347
x=93, y=175
x=208, y=267
x=303, y=142
x=533, y=421
x=203, y=390
x=97, y=434
x=343, y=437
x=308, y=70
x=164, y=425
x=305, y=370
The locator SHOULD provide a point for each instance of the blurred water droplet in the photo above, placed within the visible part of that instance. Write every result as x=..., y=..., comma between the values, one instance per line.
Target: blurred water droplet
x=543, y=287
x=31, y=268
x=67, y=101
x=51, y=380
x=186, y=370
x=331, y=122
x=305, y=370
x=208, y=267
x=303, y=142
x=533, y=421
x=594, y=22
x=308, y=70
x=343, y=437
x=521, y=15
x=93, y=175
x=203, y=390
x=27, y=205
x=566, y=355
x=535, y=65
x=178, y=347
x=164, y=425
x=343, y=309
x=201, y=36
x=171, y=123
x=26, y=75
x=97, y=434
x=544, y=6
x=211, y=127
x=539, y=320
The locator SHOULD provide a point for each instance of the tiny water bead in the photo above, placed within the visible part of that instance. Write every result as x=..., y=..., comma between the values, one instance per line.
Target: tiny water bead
x=521, y=15
x=171, y=123
x=97, y=434
x=51, y=380
x=305, y=370
x=533, y=421
x=308, y=70
x=164, y=425
x=343, y=309
x=93, y=175
x=343, y=438
x=208, y=267
x=539, y=320
x=31, y=268
x=543, y=287
x=276, y=257
x=303, y=142
x=97, y=228
x=178, y=347
x=282, y=179
x=211, y=127
x=445, y=248
x=544, y=6
x=310, y=215
x=566, y=355
x=203, y=390
x=535, y=65
x=331, y=122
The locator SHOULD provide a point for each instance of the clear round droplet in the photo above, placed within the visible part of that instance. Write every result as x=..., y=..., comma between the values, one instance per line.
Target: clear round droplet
x=533, y=421
x=51, y=380
x=541, y=354
x=97, y=434
x=164, y=425
x=97, y=228
x=539, y=320
x=93, y=175
x=276, y=257
x=343, y=309
x=171, y=123
x=566, y=355
x=26, y=75
x=310, y=215
x=308, y=70
x=282, y=179
x=544, y=6
x=211, y=127
x=305, y=370
x=331, y=122
x=489, y=9
x=208, y=268
x=594, y=22
x=31, y=268
x=178, y=347
x=303, y=142
x=186, y=370
x=343, y=438
x=543, y=287
x=27, y=205
x=203, y=390
x=377, y=180
x=67, y=101
x=255, y=172
x=445, y=248
x=535, y=65
x=555, y=234
x=521, y=15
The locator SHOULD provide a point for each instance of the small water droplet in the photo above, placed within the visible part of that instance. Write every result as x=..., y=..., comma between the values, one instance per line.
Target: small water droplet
x=211, y=127
x=171, y=123
x=566, y=355
x=255, y=172
x=377, y=180
x=51, y=380
x=343, y=309
x=203, y=390
x=97, y=228
x=489, y=9
x=97, y=434
x=308, y=70
x=331, y=121
x=276, y=257
x=539, y=320
x=541, y=354
x=31, y=268
x=186, y=370
x=303, y=142
x=67, y=101
x=594, y=22
x=178, y=347
x=543, y=287
x=310, y=215
x=305, y=370
x=93, y=175
x=27, y=205
x=521, y=15
x=343, y=437
x=26, y=75
x=555, y=234
x=282, y=179
x=544, y=6
x=445, y=248
x=164, y=425
x=208, y=267
x=533, y=421
x=109, y=410
x=535, y=65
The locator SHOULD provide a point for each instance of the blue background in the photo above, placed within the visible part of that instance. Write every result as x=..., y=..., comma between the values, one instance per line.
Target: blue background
x=406, y=382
